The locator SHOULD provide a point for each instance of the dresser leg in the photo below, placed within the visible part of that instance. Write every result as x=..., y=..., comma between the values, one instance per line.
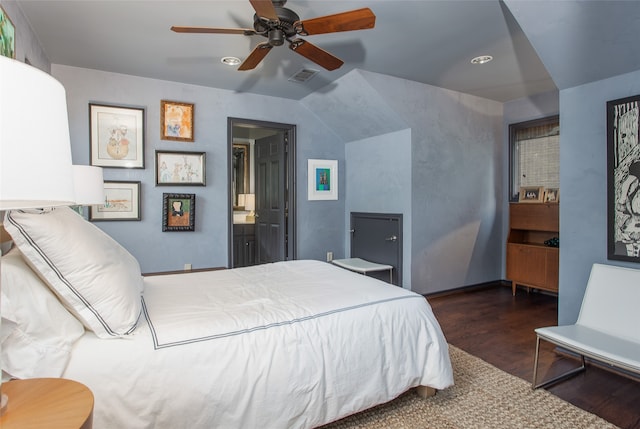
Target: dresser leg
x=513, y=288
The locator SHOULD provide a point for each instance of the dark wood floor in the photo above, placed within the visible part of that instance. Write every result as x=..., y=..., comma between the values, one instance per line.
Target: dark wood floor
x=497, y=327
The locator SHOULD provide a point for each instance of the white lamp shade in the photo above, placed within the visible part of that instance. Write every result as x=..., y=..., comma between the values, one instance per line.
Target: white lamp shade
x=35, y=149
x=89, y=185
x=250, y=202
x=241, y=200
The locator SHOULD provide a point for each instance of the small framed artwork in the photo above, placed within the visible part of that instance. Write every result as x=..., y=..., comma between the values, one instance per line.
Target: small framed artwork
x=116, y=136
x=179, y=212
x=323, y=179
x=623, y=179
x=531, y=194
x=176, y=121
x=121, y=202
x=551, y=195
x=180, y=168
x=7, y=35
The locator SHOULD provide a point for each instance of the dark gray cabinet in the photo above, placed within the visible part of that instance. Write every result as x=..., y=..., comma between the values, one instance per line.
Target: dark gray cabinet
x=244, y=244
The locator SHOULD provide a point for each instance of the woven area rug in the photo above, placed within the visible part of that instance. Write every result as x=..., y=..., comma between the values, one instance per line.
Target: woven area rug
x=483, y=397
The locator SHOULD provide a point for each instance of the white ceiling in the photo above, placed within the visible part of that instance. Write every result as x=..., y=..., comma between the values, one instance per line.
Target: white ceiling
x=426, y=41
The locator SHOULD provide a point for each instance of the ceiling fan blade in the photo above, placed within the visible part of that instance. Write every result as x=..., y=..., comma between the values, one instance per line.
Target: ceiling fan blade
x=359, y=19
x=244, y=31
x=254, y=58
x=265, y=9
x=315, y=54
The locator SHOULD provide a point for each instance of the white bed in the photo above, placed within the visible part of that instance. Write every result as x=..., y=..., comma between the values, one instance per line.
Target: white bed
x=287, y=345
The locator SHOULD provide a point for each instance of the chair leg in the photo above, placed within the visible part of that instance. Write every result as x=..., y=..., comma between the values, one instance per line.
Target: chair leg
x=556, y=379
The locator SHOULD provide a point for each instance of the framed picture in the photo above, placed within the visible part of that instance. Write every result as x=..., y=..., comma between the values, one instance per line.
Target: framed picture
x=180, y=168
x=552, y=195
x=531, y=194
x=323, y=179
x=623, y=179
x=179, y=212
x=7, y=35
x=176, y=121
x=117, y=136
x=121, y=202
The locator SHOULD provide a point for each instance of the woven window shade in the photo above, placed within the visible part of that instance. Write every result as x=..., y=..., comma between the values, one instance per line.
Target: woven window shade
x=538, y=150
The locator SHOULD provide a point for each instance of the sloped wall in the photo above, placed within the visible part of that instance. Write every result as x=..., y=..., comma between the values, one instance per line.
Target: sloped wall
x=456, y=189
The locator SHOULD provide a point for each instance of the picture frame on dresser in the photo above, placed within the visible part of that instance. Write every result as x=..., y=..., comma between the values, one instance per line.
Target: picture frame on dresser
x=121, y=202
x=623, y=179
x=531, y=194
x=551, y=195
x=116, y=136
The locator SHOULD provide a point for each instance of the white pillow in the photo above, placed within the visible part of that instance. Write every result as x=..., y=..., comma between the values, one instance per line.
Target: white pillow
x=36, y=332
x=94, y=276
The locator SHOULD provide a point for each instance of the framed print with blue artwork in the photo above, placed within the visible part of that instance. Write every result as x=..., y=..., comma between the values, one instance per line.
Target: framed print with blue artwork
x=323, y=179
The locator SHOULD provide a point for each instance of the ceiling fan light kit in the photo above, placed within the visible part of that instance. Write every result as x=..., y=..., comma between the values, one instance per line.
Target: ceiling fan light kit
x=279, y=24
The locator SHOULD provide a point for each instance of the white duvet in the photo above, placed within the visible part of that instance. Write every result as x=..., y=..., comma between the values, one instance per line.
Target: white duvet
x=293, y=344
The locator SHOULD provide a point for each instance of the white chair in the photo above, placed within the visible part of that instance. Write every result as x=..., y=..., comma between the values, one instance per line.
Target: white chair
x=608, y=325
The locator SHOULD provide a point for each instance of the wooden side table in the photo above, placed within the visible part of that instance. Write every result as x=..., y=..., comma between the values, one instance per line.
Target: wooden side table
x=52, y=403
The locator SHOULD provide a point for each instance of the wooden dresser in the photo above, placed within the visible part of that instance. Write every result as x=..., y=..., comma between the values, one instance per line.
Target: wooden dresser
x=530, y=262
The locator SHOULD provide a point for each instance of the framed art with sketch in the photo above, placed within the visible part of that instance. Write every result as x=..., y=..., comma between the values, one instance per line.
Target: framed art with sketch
x=623, y=179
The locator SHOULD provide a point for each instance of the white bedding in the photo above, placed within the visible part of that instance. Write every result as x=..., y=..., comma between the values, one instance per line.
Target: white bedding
x=287, y=345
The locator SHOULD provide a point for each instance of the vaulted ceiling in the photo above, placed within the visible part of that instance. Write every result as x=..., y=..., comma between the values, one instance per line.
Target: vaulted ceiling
x=564, y=43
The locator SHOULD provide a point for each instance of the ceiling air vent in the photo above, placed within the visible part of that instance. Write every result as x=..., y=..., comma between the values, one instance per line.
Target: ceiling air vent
x=303, y=75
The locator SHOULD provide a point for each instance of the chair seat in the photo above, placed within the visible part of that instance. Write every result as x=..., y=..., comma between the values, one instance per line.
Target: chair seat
x=595, y=344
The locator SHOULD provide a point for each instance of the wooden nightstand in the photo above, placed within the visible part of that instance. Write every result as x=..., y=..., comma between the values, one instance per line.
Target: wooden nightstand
x=52, y=403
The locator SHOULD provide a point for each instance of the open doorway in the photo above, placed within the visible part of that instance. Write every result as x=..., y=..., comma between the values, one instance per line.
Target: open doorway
x=261, y=185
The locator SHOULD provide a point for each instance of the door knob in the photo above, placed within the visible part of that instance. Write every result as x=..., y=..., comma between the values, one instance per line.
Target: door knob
x=392, y=238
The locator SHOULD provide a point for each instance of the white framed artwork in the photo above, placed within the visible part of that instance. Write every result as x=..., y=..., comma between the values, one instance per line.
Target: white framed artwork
x=323, y=179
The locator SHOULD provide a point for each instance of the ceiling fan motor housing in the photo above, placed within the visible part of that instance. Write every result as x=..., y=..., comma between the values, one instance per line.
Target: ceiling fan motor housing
x=277, y=31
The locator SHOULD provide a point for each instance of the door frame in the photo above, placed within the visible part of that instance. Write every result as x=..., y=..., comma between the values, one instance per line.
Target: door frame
x=290, y=182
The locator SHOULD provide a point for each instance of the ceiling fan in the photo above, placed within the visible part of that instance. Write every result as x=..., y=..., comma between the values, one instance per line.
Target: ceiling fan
x=277, y=23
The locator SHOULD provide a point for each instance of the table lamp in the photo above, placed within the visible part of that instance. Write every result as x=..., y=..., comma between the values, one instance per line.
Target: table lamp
x=35, y=149
x=250, y=204
x=89, y=186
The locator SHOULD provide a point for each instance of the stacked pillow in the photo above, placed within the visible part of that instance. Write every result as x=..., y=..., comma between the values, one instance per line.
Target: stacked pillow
x=36, y=332
x=95, y=278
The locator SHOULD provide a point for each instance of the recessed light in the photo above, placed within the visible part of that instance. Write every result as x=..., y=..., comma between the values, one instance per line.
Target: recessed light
x=482, y=59
x=230, y=61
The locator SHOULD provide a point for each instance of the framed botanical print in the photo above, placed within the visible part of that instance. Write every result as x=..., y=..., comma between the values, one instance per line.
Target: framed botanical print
x=117, y=136
x=179, y=212
x=623, y=179
x=121, y=202
x=176, y=121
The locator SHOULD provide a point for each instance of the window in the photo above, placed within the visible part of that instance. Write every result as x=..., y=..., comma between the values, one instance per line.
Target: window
x=535, y=154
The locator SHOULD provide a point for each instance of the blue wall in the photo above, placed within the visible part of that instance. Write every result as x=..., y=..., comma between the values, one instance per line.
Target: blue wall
x=207, y=245
x=443, y=148
x=379, y=181
x=583, y=180
x=456, y=171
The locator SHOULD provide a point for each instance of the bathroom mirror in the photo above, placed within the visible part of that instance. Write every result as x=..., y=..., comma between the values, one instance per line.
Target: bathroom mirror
x=240, y=179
